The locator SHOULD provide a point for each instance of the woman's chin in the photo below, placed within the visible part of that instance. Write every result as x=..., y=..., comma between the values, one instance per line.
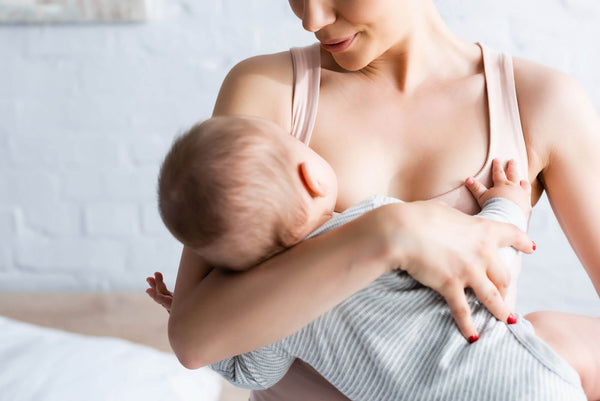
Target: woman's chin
x=349, y=62
x=355, y=58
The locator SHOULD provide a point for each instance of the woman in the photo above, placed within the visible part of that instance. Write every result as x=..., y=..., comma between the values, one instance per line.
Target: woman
x=382, y=88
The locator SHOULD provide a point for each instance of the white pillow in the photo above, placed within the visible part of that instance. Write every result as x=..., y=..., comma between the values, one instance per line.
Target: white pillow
x=41, y=364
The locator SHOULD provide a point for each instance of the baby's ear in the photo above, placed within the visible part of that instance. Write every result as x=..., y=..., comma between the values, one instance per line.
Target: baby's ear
x=309, y=175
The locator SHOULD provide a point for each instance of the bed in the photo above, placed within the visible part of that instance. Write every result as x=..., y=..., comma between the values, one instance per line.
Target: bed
x=95, y=346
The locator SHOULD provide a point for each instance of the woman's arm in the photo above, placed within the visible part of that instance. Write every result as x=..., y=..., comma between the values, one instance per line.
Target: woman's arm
x=225, y=314
x=229, y=313
x=562, y=131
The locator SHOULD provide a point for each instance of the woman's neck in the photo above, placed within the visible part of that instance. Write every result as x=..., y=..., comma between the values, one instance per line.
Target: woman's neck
x=428, y=53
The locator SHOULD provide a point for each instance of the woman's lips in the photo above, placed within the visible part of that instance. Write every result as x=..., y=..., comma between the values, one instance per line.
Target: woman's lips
x=338, y=45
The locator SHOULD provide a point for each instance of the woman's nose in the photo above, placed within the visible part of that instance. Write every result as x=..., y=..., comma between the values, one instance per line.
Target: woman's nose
x=317, y=14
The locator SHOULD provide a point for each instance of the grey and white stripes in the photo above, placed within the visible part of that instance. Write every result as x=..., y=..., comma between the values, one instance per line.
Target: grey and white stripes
x=396, y=340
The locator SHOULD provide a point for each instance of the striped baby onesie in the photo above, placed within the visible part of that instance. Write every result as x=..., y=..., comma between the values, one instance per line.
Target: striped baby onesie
x=396, y=340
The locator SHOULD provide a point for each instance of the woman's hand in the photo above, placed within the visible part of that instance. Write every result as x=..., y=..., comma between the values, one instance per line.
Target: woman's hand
x=158, y=291
x=448, y=251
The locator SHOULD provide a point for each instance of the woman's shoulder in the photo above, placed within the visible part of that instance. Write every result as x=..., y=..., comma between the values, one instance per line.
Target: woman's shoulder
x=259, y=86
x=551, y=103
x=539, y=86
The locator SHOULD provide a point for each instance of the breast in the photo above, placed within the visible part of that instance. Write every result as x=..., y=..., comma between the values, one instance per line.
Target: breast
x=461, y=199
x=399, y=152
x=380, y=175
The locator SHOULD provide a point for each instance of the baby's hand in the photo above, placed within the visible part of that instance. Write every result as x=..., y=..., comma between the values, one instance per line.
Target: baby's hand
x=158, y=291
x=506, y=185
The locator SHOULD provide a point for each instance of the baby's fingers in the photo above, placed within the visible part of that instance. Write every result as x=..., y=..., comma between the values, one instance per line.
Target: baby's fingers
x=461, y=312
x=153, y=294
x=498, y=174
x=511, y=171
x=160, y=284
x=476, y=188
x=163, y=300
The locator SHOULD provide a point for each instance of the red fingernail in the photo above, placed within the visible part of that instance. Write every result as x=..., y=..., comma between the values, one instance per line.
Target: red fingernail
x=473, y=338
x=511, y=319
x=533, y=242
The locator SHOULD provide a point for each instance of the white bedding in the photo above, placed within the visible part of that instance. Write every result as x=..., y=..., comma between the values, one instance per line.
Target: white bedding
x=42, y=364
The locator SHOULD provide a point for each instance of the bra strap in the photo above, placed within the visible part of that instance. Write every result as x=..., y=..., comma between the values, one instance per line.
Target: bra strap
x=506, y=132
x=307, y=78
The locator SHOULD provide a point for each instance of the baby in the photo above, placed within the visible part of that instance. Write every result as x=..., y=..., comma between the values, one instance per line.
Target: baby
x=238, y=190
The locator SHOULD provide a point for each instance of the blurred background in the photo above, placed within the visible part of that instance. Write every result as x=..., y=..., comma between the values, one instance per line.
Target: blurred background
x=87, y=111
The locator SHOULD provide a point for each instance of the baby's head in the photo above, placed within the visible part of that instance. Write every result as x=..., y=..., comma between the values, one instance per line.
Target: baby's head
x=239, y=189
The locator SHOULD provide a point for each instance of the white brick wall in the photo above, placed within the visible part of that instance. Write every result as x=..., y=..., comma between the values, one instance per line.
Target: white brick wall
x=87, y=112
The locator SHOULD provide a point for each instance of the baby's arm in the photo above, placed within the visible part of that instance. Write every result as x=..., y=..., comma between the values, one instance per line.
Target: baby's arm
x=506, y=184
x=508, y=201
